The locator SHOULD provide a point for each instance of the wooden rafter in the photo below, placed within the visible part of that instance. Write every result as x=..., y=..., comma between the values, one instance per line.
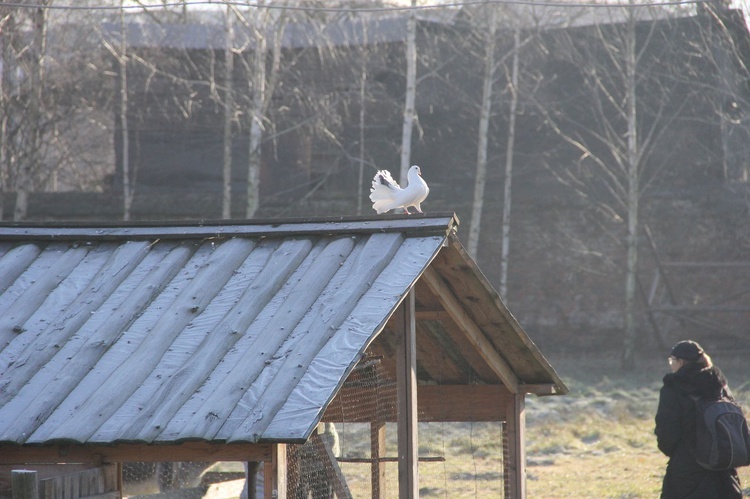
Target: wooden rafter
x=434, y=360
x=473, y=333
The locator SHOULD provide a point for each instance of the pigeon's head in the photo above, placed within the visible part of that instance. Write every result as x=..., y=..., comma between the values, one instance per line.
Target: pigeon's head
x=415, y=169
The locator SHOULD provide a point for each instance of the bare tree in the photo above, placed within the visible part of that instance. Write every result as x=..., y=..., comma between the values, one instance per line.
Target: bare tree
x=632, y=166
x=616, y=131
x=122, y=59
x=261, y=82
x=257, y=81
x=507, y=191
x=6, y=92
x=718, y=46
x=485, y=109
x=488, y=26
x=226, y=206
x=411, y=92
x=34, y=110
x=53, y=114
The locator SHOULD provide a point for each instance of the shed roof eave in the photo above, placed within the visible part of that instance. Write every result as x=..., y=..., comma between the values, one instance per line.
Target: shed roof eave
x=117, y=453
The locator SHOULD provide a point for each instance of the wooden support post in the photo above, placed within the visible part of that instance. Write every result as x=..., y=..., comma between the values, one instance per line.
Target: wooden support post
x=118, y=478
x=377, y=451
x=406, y=382
x=274, y=474
x=24, y=484
x=251, y=479
x=515, y=458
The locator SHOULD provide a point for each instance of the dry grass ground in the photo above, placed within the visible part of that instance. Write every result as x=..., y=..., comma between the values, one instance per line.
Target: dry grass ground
x=598, y=442
x=595, y=442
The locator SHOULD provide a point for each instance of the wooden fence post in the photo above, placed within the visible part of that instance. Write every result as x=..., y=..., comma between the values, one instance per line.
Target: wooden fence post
x=24, y=484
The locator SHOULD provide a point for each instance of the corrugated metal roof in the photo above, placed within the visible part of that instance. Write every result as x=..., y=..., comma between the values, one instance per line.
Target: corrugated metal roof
x=226, y=332
x=375, y=28
x=367, y=29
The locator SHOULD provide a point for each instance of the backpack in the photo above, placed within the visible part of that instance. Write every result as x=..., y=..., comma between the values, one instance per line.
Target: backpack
x=722, y=438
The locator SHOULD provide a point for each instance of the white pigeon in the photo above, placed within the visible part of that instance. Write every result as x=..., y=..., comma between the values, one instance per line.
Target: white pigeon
x=387, y=195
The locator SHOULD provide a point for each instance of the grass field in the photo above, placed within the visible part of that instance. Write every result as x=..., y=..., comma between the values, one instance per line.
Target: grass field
x=597, y=441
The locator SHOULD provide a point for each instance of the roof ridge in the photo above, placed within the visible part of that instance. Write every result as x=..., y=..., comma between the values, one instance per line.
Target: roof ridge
x=419, y=224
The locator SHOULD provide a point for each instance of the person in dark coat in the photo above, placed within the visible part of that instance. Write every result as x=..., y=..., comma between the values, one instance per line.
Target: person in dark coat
x=694, y=374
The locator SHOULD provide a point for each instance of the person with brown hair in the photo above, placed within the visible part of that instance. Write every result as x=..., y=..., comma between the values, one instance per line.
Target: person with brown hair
x=693, y=376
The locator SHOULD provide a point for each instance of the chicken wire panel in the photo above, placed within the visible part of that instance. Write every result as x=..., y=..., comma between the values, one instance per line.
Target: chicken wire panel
x=340, y=458
x=461, y=460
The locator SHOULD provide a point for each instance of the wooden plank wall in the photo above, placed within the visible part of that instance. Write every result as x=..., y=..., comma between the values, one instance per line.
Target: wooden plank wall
x=94, y=483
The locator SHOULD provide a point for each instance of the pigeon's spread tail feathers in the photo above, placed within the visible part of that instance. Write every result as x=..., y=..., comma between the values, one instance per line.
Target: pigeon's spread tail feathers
x=383, y=191
x=387, y=195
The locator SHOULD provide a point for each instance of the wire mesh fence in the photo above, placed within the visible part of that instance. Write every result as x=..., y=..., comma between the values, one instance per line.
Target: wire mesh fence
x=352, y=453
x=355, y=452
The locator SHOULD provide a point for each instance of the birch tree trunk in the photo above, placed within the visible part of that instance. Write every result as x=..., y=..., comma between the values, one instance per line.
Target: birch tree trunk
x=258, y=82
x=485, y=110
x=262, y=82
x=127, y=189
x=628, y=360
x=505, y=250
x=5, y=90
x=361, y=173
x=615, y=142
x=35, y=110
x=226, y=198
x=411, y=92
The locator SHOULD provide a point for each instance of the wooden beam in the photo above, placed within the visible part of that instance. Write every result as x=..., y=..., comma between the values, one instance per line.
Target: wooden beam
x=455, y=344
x=431, y=315
x=377, y=451
x=472, y=331
x=435, y=360
x=515, y=459
x=460, y=403
x=274, y=474
x=251, y=479
x=435, y=404
x=452, y=341
x=118, y=475
x=99, y=454
x=406, y=381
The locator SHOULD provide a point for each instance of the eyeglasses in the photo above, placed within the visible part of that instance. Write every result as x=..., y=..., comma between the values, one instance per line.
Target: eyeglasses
x=671, y=360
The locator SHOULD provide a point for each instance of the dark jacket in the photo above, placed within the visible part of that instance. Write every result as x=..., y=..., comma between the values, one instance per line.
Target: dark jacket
x=675, y=435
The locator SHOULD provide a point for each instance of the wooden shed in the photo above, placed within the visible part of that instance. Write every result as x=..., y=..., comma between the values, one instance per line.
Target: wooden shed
x=232, y=341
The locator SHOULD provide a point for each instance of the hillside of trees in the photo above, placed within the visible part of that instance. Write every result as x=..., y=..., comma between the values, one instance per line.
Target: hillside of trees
x=597, y=158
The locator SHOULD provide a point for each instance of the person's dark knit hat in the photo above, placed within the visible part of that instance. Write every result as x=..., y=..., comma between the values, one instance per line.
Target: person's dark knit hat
x=687, y=350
